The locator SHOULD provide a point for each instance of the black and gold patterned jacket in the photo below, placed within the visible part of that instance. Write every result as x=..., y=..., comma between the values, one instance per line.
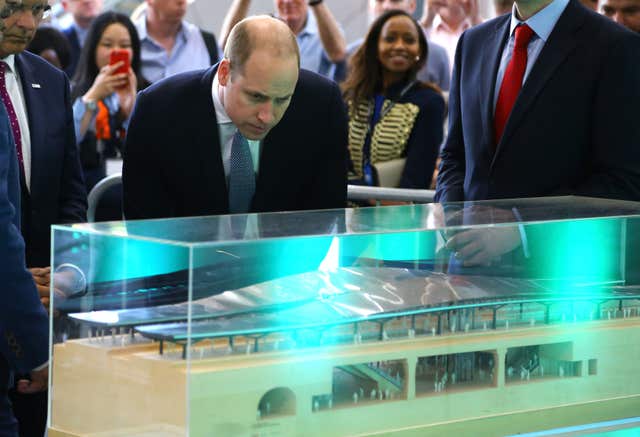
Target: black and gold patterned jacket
x=411, y=129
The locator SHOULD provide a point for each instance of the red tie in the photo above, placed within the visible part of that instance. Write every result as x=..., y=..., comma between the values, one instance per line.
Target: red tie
x=512, y=81
x=13, y=118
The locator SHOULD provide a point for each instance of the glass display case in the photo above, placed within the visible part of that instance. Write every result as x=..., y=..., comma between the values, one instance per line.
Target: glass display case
x=498, y=317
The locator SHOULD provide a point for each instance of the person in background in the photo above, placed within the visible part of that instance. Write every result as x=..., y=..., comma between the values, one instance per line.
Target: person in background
x=435, y=70
x=445, y=20
x=590, y=4
x=50, y=44
x=83, y=12
x=320, y=40
x=170, y=44
x=103, y=100
x=623, y=12
x=382, y=94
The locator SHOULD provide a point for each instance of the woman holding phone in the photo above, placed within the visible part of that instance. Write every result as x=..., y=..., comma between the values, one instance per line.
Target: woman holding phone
x=104, y=91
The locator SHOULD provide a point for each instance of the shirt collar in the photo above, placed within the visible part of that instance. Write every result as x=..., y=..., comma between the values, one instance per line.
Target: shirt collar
x=11, y=62
x=141, y=25
x=221, y=114
x=310, y=26
x=439, y=24
x=543, y=21
x=80, y=32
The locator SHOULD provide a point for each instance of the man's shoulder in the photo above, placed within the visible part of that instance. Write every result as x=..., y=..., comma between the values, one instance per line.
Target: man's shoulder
x=487, y=27
x=179, y=91
x=353, y=46
x=436, y=50
x=607, y=28
x=39, y=66
x=310, y=80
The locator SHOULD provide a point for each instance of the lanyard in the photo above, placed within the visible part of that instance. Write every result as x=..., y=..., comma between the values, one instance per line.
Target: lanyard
x=366, y=152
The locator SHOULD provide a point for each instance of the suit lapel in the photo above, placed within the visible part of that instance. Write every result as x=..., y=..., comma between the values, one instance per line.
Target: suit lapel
x=34, y=105
x=492, y=54
x=560, y=44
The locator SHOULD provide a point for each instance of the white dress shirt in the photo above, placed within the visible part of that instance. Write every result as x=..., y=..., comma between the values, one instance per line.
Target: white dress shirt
x=14, y=88
x=226, y=131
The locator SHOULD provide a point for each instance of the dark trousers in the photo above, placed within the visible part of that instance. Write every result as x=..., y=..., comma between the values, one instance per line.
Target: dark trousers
x=8, y=424
x=31, y=413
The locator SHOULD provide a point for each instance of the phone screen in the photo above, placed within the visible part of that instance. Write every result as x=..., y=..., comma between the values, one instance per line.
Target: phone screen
x=120, y=55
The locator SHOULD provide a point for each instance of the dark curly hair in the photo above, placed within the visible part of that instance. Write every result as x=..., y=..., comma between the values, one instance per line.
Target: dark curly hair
x=365, y=71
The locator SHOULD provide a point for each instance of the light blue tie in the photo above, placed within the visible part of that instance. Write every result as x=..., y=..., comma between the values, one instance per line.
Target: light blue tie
x=242, y=178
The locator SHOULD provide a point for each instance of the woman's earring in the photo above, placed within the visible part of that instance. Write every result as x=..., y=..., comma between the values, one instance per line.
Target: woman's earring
x=417, y=58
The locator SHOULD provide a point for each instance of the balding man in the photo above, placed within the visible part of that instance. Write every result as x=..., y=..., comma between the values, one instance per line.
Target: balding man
x=320, y=40
x=280, y=142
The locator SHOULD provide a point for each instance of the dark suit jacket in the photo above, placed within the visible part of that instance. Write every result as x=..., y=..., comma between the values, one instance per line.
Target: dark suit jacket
x=173, y=164
x=574, y=127
x=74, y=43
x=57, y=192
x=24, y=329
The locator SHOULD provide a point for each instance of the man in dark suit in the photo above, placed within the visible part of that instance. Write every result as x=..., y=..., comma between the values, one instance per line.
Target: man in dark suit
x=52, y=185
x=550, y=112
x=177, y=163
x=24, y=329
x=51, y=177
x=83, y=12
x=573, y=127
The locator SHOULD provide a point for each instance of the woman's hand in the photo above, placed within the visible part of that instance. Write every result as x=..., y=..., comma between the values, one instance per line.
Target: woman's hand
x=107, y=82
x=127, y=95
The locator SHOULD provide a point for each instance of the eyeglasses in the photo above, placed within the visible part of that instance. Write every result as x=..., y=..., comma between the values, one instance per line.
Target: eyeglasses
x=39, y=11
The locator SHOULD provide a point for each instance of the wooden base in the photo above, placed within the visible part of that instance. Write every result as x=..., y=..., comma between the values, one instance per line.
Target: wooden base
x=101, y=391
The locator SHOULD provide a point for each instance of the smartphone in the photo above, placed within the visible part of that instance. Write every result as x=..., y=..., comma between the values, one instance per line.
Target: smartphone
x=120, y=55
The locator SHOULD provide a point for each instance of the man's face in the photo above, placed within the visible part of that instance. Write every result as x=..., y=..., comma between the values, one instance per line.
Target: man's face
x=625, y=12
x=378, y=7
x=451, y=11
x=21, y=26
x=256, y=99
x=292, y=12
x=169, y=10
x=83, y=10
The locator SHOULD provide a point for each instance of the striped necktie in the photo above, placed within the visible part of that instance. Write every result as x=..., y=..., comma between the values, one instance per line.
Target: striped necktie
x=242, y=178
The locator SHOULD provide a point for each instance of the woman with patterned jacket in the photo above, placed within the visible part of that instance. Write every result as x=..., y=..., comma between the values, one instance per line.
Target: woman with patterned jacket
x=392, y=115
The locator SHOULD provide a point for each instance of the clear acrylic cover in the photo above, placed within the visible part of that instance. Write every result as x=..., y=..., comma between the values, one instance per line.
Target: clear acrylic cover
x=346, y=322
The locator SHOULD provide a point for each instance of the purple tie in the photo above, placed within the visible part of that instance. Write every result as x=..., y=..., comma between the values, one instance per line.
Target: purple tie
x=13, y=119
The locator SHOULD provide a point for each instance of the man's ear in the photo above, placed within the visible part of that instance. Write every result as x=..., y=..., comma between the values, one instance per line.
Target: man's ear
x=224, y=72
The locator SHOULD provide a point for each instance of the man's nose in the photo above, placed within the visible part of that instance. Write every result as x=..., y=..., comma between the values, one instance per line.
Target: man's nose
x=26, y=19
x=265, y=113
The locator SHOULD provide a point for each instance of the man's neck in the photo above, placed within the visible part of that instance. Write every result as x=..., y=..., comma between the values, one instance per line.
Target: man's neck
x=82, y=23
x=161, y=30
x=453, y=21
x=526, y=9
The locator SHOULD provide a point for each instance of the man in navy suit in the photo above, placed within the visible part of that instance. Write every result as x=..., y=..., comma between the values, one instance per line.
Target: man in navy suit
x=52, y=187
x=571, y=127
x=24, y=329
x=179, y=154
